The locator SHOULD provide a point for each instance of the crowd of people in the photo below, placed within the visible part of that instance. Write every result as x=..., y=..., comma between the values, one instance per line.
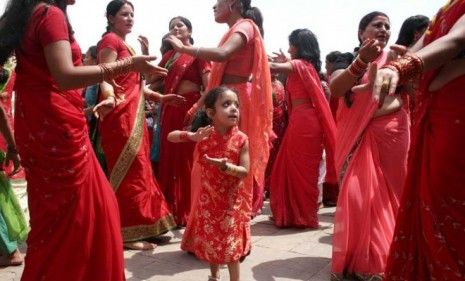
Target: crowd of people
x=117, y=150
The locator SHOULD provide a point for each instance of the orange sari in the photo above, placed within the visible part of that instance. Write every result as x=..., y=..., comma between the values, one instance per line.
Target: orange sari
x=256, y=111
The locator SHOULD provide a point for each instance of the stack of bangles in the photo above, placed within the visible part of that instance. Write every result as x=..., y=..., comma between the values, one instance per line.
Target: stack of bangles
x=409, y=67
x=357, y=68
x=122, y=67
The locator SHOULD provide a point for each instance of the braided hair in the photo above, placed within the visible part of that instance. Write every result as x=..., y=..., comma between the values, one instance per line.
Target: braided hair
x=253, y=13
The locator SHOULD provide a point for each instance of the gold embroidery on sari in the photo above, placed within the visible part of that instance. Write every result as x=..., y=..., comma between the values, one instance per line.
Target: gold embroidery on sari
x=132, y=146
x=140, y=232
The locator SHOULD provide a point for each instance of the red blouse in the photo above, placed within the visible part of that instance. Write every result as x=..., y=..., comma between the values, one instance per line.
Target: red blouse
x=240, y=64
x=193, y=73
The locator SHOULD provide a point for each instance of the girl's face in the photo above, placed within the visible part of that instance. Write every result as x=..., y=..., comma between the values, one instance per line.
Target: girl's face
x=180, y=30
x=379, y=28
x=123, y=21
x=226, y=113
x=292, y=51
x=222, y=11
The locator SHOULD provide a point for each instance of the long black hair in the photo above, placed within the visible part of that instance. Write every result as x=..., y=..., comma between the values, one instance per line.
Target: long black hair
x=14, y=21
x=113, y=8
x=201, y=119
x=253, y=13
x=410, y=26
x=307, y=46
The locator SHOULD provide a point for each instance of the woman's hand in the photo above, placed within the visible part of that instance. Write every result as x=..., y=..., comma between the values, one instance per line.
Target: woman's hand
x=104, y=107
x=202, y=133
x=144, y=44
x=177, y=44
x=395, y=52
x=143, y=64
x=381, y=82
x=173, y=99
x=279, y=57
x=370, y=50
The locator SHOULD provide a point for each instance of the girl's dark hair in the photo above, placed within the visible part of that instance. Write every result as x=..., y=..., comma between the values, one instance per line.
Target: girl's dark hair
x=201, y=119
x=365, y=21
x=253, y=13
x=113, y=8
x=307, y=46
x=409, y=27
x=186, y=22
x=14, y=21
x=93, y=52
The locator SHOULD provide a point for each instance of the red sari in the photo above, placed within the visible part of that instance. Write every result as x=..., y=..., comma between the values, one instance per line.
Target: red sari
x=143, y=210
x=428, y=239
x=175, y=163
x=280, y=119
x=371, y=159
x=256, y=105
x=294, y=178
x=218, y=230
x=75, y=229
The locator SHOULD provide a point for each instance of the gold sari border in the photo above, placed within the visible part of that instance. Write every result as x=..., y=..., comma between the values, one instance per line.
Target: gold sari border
x=131, y=148
x=141, y=232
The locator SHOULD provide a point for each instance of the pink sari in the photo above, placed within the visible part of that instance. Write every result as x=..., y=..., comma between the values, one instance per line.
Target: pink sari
x=371, y=159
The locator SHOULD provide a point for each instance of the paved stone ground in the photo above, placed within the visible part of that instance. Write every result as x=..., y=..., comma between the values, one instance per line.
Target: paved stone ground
x=277, y=254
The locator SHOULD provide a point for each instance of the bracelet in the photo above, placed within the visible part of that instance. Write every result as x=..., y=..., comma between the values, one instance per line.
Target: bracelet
x=409, y=67
x=357, y=68
x=184, y=136
x=231, y=169
x=120, y=67
x=11, y=148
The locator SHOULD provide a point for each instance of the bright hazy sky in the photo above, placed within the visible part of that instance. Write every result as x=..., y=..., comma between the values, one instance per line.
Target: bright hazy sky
x=335, y=22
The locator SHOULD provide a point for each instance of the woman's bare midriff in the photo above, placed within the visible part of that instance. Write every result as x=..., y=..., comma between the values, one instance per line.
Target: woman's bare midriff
x=234, y=79
x=298, y=102
x=186, y=86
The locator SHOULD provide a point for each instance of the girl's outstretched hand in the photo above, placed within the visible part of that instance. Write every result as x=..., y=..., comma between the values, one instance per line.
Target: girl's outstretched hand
x=202, y=133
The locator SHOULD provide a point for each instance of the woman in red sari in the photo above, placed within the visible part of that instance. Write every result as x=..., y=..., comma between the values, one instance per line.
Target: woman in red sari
x=143, y=210
x=294, y=178
x=241, y=64
x=371, y=159
x=428, y=239
x=73, y=211
x=187, y=76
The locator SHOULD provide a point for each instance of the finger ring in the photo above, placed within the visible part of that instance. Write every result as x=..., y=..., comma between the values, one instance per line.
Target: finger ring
x=385, y=85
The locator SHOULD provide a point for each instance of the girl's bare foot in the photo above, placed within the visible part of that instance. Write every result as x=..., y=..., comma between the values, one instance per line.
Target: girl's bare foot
x=140, y=246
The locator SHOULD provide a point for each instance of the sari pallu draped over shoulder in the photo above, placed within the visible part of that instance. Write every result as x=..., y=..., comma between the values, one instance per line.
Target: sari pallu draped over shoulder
x=371, y=158
x=175, y=161
x=430, y=227
x=143, y=210
x=258, y=117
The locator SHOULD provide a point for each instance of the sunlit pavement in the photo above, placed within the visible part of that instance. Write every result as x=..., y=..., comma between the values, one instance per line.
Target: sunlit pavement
x=277, y=254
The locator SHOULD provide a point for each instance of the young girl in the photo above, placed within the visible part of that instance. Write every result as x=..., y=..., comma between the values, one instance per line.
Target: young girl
x=218, y=230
